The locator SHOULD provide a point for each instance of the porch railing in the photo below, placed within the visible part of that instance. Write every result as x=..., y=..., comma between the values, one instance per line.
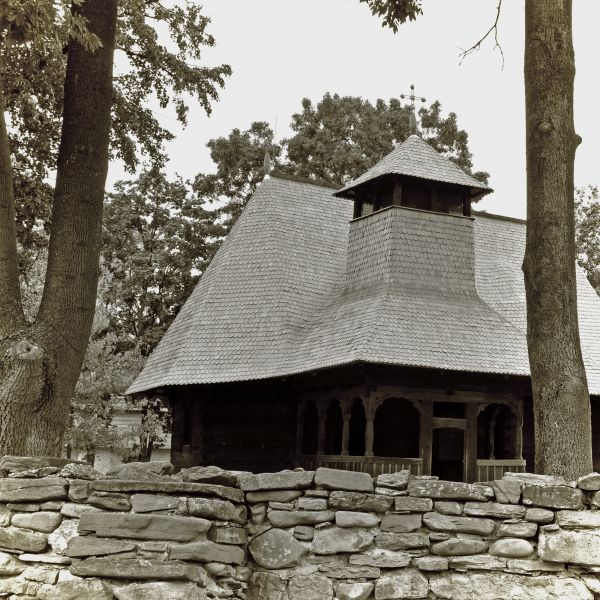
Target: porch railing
x=374, y=465
x=488, y=469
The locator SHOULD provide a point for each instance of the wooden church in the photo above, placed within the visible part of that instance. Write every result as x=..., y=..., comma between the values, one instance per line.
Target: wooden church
x=375, y=327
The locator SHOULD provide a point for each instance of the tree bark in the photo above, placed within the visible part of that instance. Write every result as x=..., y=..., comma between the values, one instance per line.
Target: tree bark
x=560, y=394
x=39, y=364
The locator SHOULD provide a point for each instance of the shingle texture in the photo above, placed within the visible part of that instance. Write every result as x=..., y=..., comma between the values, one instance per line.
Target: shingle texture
x=297, y=287
x=416, y=158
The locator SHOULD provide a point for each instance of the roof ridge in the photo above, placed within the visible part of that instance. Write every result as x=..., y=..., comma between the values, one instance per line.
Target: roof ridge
x=483, y=213
x=317, y=181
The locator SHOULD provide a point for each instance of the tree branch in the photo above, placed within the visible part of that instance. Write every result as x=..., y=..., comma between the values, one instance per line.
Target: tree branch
x=492, y=30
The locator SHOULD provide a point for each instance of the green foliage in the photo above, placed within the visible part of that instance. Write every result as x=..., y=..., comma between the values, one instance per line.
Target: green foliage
x=158, y=239
x=587, y=217
x=395, y=12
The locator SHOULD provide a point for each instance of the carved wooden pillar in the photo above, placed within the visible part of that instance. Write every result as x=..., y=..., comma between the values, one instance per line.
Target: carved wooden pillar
x=346, y=405
x=518, y=408
x=322, y=406
x=426, y=435
x=300, y=427
x=471, y=442
x=371, y=404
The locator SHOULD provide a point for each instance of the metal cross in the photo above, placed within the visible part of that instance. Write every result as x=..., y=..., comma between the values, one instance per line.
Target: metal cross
x=412, y=96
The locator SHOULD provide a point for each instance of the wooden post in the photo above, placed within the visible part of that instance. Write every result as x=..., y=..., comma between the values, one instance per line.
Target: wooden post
x=322, y=411
x=369, y=429
x=397, y=195
x=300, y=427
x=518, y=408
x=346, y=410
x=471, y=443
x=426, y=435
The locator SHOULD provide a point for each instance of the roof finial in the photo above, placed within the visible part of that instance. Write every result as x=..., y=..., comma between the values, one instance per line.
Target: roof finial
x=413, y=128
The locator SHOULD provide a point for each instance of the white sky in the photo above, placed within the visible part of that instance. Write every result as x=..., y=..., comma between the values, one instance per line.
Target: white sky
x=283, y=50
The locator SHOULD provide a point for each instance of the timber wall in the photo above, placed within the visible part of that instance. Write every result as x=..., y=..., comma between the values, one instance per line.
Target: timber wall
x=67, y=533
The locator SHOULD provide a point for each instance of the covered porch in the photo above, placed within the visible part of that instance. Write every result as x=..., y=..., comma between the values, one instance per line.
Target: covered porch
x=462, y=436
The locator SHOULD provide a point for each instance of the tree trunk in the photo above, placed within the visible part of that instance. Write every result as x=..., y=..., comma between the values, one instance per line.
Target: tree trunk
x=563, y=442
x=39, y=364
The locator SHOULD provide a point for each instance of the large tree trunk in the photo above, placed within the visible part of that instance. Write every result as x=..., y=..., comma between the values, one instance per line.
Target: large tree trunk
x=40, y=362
x=563, y=442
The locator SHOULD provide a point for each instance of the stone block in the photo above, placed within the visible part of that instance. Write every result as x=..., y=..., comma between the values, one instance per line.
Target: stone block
x=87, y=545
x=479, y=562
x=336, y=479
x=448, y=490
x=447, y=507
x=160, y=590
x=409, y=504
x=207, y=551
x=313, y=587
x=47, y=558
x=113, y=502
x=60, y=537
x=532, y=566
x=283, y=480
x=311, y=503
x=431, y=563
x=266, y=586
x=401, y=523
x=576, y=519
x=476, y=525
x=577, y=547
x=284, y=505
x=76, y=589
x=494, y=509
x=511, y=548
x=459, y=547
x=33, y=490
x=80, y=471
x=342, y=500
x=335, y=571
x=286, y=518
x=79, y=490
x=219, y=510
x=211, y=474
x=402, y=541
x=384, y=559
x=228, y=535
x=347, y=518
x=144, y=503
x=553, y=496
x=354, y=591
x=276, y=549
x=132, y=568
x=395, y=481
x=589, y=483
x=15, y=538
x=521, y=529
x=541, y=516
x=273, y=496
x=9, y=566
x=405, y=583
x=337, y=539
x=40, y=521
x=144, y=527
x=304, y=533
x=507, y=491
x=537, y=480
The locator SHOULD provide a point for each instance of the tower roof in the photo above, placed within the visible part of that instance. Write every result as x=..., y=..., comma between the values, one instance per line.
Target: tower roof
x=416, y=158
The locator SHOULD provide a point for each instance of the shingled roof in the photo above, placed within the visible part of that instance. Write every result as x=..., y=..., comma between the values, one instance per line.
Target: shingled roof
x=284, y=295
x=416, y=158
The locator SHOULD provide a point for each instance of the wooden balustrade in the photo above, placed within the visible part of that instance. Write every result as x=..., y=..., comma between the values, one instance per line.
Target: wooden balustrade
x=488, y=470
x=374, y=465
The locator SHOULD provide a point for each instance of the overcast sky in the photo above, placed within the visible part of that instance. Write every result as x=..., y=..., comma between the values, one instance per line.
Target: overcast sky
x=283, y=50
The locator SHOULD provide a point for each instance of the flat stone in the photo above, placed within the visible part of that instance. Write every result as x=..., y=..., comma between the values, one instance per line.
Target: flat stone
x=494, y=509
x=405, y=583
x=475, y=525
x=52, y=505
x=459, y=547
x=266, y=586
x=447, y=507
x=228, y=535
x=144, y=503
x=33, y=490
x=401, y=523
x=207, y=551
x=522, y=529
x=217, y=569
x=337, y=539
x=590, y=483
x=537, y=480
x=84, y=546
x=448, y=490
x=286, y=518
x=276, y=549
x=168, y=487
x=284, y=480
x=317, y=493
x=75, y=589
x=409, y=504
x=402, y=541
x=218, y=510
x=541, y=516
x=9, y=566
x=384, y=559
x=495, y=586
x=342, y=500
x=336, y=479
x=273, y=496
x=74, y=511
x=313, y=587
x=79, y=490
x=532, y=566
x=335, y=571
x=284, y=505
x=311, y=503
x=390, y=492
x=431, y=563
x=479, y=562
x=144, y=527
x=40, y=521
x=156, y=467
x=577, y=547
x=110, y=502
x=46, y=558
x=60, y=537
x=511, y=548
x=16, y=538
x=15, y=464
x=395, y=481
x=211, y=474
x=160, y=590
x=131, y=568
x=304, y=533
x=576, y=519
x=23, y=506
x=347, y=518
x=507, y=491
x=354, y=591
x=555, y=496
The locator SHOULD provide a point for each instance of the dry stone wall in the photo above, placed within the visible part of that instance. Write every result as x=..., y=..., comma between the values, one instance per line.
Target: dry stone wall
x=67, y=532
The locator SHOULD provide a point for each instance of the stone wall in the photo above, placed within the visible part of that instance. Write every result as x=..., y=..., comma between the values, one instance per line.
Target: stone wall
x=68, y=533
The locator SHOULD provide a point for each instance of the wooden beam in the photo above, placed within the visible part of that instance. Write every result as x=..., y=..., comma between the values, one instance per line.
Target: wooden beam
x=426, y=435
x=471, y=443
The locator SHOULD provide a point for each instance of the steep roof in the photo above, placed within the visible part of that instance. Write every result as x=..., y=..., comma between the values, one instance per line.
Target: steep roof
x=282, y=297
x=416, y=158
